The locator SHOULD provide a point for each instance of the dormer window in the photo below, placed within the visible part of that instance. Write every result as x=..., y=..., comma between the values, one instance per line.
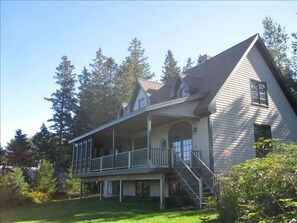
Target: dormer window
x=141, y=103
x=181, y=93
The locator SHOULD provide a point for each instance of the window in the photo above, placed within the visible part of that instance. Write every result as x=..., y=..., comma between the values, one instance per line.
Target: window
x=259, y=93
x=262, y=131
x=143, y=188
x=175, y=188
x=141, y=103
x=181, y=93
x=115, y=187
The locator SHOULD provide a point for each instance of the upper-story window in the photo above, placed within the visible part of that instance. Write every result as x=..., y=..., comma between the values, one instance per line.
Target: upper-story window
x=141, y=103
x=259, y=93
x=181, y=93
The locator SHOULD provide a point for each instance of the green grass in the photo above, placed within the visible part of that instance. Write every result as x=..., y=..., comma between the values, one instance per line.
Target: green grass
x=92, y=210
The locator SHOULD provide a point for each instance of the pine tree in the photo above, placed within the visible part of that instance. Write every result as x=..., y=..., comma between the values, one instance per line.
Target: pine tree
x=64, y=101
x=189, y=64
x=45, y=178
x=19, y=151
x=135, y=66
x=275, y=39
x=45, y=144
x=170, y=68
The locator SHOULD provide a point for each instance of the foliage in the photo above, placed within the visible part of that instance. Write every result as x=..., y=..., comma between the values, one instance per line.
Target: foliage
x=261, y=189
x=134, y=66
x=63, y=100
x=189, y=64
x=3, y=156
x=45, y=179
x=19, y=151
x=92, y=210
x=64, y=103
x=14, y=190
x=39, y=197
x=276, y=41
x=170, y=68
x=97, y=90
x=72, y=185
x=45, y=144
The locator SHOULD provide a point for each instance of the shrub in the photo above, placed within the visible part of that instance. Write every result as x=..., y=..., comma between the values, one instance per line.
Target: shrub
x=45, y=179
x=261, y=189
x=14, y=190
x=39, y=197
x=72, y=185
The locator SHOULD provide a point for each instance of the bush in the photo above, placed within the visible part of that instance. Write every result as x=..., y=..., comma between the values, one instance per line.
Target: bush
x=261, y=189
x=14, y=190
x=45, y=179
x=39, y=197
x=72, y=185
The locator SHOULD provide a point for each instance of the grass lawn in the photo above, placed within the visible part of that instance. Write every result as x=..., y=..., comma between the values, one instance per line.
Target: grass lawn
x=92, y=210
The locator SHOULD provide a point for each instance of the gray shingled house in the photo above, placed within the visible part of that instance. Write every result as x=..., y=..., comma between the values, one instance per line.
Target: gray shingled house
x=183, y=133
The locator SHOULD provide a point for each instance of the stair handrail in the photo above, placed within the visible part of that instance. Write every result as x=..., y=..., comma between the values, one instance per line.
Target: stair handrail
x=214, y=177
x=194, y=175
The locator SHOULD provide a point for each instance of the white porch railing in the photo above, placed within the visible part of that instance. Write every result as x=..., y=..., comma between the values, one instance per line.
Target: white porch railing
x=132, y=159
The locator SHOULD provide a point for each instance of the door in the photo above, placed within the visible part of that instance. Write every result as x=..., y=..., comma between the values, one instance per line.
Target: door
x=180, y=139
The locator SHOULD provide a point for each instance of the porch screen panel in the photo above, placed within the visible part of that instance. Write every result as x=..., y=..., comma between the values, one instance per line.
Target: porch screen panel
x=84, y=149
x=75, y=148
x=89, y=152
x=79, y=157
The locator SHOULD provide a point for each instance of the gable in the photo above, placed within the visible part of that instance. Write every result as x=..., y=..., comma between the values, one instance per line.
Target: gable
x=138, y=99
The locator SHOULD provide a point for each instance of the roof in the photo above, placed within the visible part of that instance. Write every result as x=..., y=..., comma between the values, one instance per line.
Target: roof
x=214, y=72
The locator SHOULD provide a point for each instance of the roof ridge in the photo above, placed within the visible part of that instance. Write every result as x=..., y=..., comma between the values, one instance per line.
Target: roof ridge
x=141, y=79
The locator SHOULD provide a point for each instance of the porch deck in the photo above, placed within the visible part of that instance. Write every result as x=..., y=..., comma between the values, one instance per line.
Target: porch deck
x=135, y=161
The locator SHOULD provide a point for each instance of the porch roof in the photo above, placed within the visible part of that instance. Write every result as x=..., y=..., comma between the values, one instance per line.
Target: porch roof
x=140, y=114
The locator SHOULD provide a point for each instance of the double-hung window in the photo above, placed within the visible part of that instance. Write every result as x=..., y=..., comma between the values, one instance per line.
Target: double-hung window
x=259, y=93
x=264, y=132
x=141, y=103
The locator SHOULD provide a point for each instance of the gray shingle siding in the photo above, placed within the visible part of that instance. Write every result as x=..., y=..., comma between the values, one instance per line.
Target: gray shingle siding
x=233, y=133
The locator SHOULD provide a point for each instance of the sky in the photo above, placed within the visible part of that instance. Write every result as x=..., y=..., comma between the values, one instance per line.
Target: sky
x=36, y=34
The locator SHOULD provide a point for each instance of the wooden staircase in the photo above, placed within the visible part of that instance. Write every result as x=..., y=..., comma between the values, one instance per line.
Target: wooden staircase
x=194, y=180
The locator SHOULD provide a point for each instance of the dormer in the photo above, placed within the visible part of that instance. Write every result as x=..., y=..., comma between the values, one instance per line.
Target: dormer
x=179, y=88
x=138, y=99
x=123, y=109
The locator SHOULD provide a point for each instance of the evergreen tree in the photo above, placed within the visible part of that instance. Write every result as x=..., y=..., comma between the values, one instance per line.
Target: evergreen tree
x=170, y=68
x=64, y=103
x=45, y=178
x=3, y=157
x=292, y=76
x=97, y=99
x=189, y=64
x=135, y=66
x=45, y=144
x=72, y=185
x=19, y=151
x=275, y=39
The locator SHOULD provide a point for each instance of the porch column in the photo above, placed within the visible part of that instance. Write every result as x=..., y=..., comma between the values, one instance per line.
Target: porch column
x=149, y=135
x=81, y=190
x=113, y=147
x=162, y=191
x=121, y=191
x=101, y=190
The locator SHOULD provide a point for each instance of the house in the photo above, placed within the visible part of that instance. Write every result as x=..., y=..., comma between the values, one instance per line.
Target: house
x=185, y=132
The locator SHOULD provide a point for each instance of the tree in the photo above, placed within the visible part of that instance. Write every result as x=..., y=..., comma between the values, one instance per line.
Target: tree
x=3, y=157
x=170, y=68
x=276, y=41
x=64, y=103
x=14, y=190
x=19, y=151
x=45, y=178
x=135, y=66
x=189, y=64
x=98, y=102
x=45, y=144
x=72, y=185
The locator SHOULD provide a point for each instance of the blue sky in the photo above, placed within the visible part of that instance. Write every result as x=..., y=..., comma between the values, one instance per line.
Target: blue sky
x=36, y=34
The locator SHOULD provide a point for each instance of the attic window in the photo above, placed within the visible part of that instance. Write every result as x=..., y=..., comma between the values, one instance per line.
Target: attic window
x=141, y=103
x=181, y=93
x=259, y=93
